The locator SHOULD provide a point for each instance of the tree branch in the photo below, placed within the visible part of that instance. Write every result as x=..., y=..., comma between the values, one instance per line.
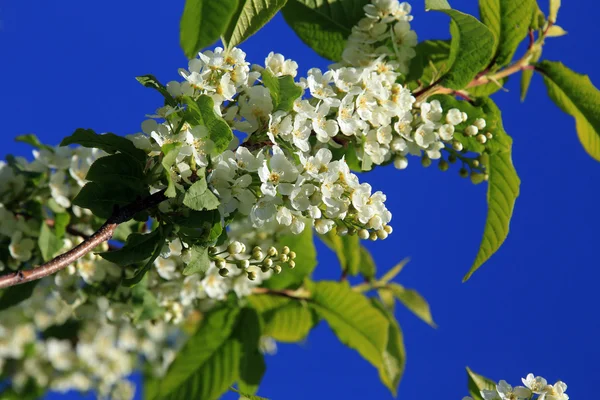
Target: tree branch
x=103, y=234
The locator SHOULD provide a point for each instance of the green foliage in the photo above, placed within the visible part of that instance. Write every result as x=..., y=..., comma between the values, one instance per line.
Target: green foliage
x=199, y=261
x=306, y=261
x=248, y=395
x=413, y=301
x=503, y=186
x=202, y=22
x=252, y=363
x=477, y=383
x=430, y=62
x=324, y=25
x=554, y=7
x=436, y=5
x=347, y=248
x=14, y=295
x=577, y=96
x=283, y=89
x=198, y=197
x=285, y=320
x=61, y=221
x=32, y=140
x=471, y=49
x=202, y=112
x=250, y=16
x=109, y=142
x=138, y=248
x=367, y=269
x=353, y=318
x=509, y=21
x=170, y=152
x=150, y=81
x=48, y=242
x=117, y=168
x=394, y=355
x=101, y=199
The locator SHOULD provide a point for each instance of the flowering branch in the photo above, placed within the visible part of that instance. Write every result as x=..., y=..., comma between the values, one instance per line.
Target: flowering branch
x=103, y=234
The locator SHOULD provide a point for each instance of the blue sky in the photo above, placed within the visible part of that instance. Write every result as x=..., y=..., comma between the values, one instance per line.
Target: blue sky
x=531, y=308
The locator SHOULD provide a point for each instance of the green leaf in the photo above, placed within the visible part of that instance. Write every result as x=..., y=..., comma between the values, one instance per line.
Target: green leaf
x=471, y=49
x=553, y=13
x=208, y=364
x=347, y=248
x=392, y=273
x=324, y=25
x=109, y=142
x=101, y=199
x=527, y=74
x=252, y=363
x=145, y=304
x=555, y=31
x=413, y=301
x=503, y=186
x=353, y=318
x=436, y=5
x=61, y=221
x=430, y=62
x=306, y=261
x=250, y=16
x=248, y=395
x=394, y=355
x=202, y=112
x=141, y=273
x=150, y=81
x=198, y=197
x=577, y=96
x=367, y=269
x=291, y=322
x=477, y=383
x=32, y=140
x=117, y=168
x=138, y=248
x=14, y=295
x=199, y=262
x=48, y=242
x=202, y=22
x=283, y=89
x=170, y=152
x=509, y=21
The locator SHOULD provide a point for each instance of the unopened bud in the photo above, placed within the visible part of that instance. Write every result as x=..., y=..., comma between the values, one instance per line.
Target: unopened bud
x=425, y=161
x=268, y=263
x=456, y=145
x=223, y=272
x=388, y=229
x=277, y=269
x=471, y=130
x=220, y=262
x=481, y=138
x=479, y=123
x=258, y=255
x=285, y=250
x=443, y=165
x=252, y=275
x=400, y=162
x=341, y=230
x=243, y=264
x=489, y=135
x=272, y=252
x=292, y=264
x=463, y=173
x=235, y=247
x=382, y=234
x=284, y=258
x=477, y=178
x=476, y=163
x=363, y=234
x=373, y=236
x=292, y=255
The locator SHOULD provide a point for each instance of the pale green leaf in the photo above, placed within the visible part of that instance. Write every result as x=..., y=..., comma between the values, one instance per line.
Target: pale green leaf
x=436, y=5
x=413, y=301
x=284, y=91
x=577, y=96
x=202, y=112
x=392, y=273
x=203, y=22
x=353, y=318
x=553, y=13
x=527, y=74
x=477, y=383
x=199, y=261
x=198, y=197
x=289, y=323
x=48, y=242
x=324, y=25
x=170, y=153
x=555, y=31
x=250, y=16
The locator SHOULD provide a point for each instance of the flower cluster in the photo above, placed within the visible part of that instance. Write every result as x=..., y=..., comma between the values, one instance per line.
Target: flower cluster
x=534, y=385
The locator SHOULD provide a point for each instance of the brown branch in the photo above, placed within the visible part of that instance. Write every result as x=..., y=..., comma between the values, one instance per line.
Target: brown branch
x=71, y=230
x=120, y=215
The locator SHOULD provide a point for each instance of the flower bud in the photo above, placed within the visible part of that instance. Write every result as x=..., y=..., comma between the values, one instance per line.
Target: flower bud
x=373, y=236
x=272, y=252
x=400, y=162
x=277, y=269
x=243, y=264
x=235, y=247
x=258, y=255
x=443, y=165
x=479, y=123
x=292, y=255
x=284, y=258
x=223, y=272
x=476, y=163
x=252, y=275
x=341, y=230
x=285, y=250
x=463, y=173
x=363, y=234
x=471, y=130
x=220, y=262
x=388, y=229
x=489, y=135
x=382, y=234
x=268, y=263
x=477, y=178
x=481, y=138
x=456, y=145
x=425, y=160
x=452, y=158
x=264, y=268
x=292, y=264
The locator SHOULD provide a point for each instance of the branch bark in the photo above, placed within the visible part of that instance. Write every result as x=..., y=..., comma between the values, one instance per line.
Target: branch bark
x=104, y=233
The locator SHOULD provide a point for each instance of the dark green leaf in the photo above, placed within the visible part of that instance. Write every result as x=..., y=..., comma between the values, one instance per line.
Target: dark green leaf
x=202, y=112
x=14, y=295
x=138, y=248
x=306, y=261
x=252, y=363
x=202, y=22
x=198, y=197
x=101, y=199
x=150, y=81
x=353, y=318
x=250, y=16
x=117, y=168
x=577, y=96
x=48, y=242
x=199, y=262
x=283, y=89
x=108, y=142
x=324, y=25
x=67, y=330
x=367, y=267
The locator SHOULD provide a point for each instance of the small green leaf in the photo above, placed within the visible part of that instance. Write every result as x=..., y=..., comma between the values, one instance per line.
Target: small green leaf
x=471, y=49
x=577, y=96
x=347, y=248
x=283, y=89
x=527, y=74
x=324, y=25
x=14, y=295
x=138, y=248
x=109, y=142
x=436, y=5
x=170, y=152
x=367, y=268
x=554, y=7
x=198, y=197
x=555, y=31
x=248, y=395
x=503, y=186
x=509, y=22
x=208, y=364
x=202, y=112
x=202, y=22
x=48, y=242
x=252, y=363
x=250, y=16
x=413, y=301
x=61, y=221
x=392, y=273
x=394, y=355
x=117, y=168
x=32, y=140
x=353, y=318
x=141, y=273
x=101, y=199
x=306, y=261
x=199, y=262
x=150, y=81
x=477, y=383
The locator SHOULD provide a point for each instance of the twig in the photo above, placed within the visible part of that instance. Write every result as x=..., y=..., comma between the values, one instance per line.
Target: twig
x=103, y=234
